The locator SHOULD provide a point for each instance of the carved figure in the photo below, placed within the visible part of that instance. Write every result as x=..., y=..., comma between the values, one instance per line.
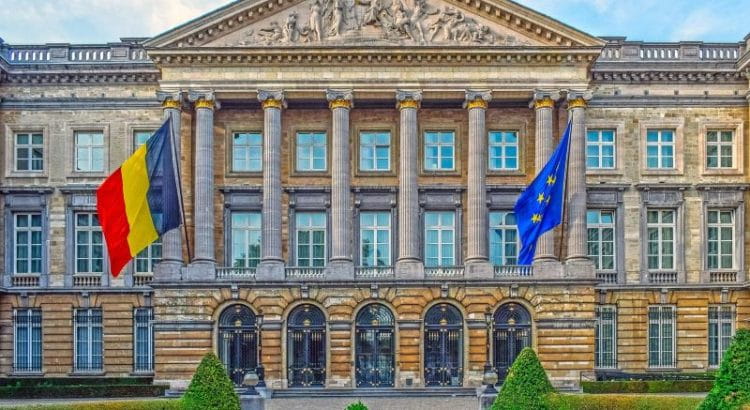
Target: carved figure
x=416, y=19
x=337, y=18
x=290, y=31
x=271, y=34
x=314, y=32
x=376, y=14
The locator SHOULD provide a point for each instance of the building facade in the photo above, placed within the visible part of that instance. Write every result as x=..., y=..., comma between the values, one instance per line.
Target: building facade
x=349, y=172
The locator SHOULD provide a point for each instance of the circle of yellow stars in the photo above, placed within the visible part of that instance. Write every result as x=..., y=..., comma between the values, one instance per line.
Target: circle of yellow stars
x=541, y=198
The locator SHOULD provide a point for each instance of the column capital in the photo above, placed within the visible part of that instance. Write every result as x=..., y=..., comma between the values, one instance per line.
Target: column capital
x=477, y=99
x=204, y=99
x=170, y=99
x=272, y=99
x=544, y=99
x=408, y=98
x=579, y=99
x=339, y=98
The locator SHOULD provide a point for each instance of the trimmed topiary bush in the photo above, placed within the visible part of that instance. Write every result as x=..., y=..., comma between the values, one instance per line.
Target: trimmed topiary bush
x=525, y=386
x=732, y=388
x=210, y=387
x=357, y=406
x=620, y=402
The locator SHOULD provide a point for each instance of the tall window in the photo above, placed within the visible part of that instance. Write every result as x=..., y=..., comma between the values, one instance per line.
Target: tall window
x=720, y=239
x=719, y=149
x=311, y=239
x=503, y=150
x=247, y=152
x=375, y=151
x=88, y=336
x=440, y=239
x=601, y=238
x=27, y=258
x=600, y=149
x=375, y=238
x=661, y=336
x=148, y=258
x=311, y=151
x=606, y=337
x=27, y=336
x=439, y=151
x=503, y=238
x=660, y=149
x=140, y=137
x=720, y=332
x=143, y=340
x=89, y=247
x=89, y=151
x=246, y=228
x=660, y=231
x=29, y=152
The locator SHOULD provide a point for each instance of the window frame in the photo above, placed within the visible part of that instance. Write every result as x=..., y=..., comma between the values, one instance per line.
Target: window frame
x=295, y=152
x=147, y=254
x=376, y=228
x=230, y=250
x=454, y=146
x=90, y=229
x=720, y=336
x=738, y=156
x=598, y=339
x=149, y=368
x=503, y=146
x=440, y=244
x=505, y=228
x=312, y=243
x=660, y=323
x=660, y=144
x=719, y=144
x=90, y=324
x=231, y=162
x=676, y=125
x=720, y=225
x=600, y=144
x=29, y=146
x=373, y=147
x=31, y=324
x=29, y=245
x=600, y=226
x=90, y=147
x=660, y=225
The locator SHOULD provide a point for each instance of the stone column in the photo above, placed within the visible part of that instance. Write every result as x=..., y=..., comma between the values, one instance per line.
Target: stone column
x=204, y=261
x=477, y=262
x=271, y=266
x=544, y=107
x=340, y=265
x=409, y=263
x=169, y=269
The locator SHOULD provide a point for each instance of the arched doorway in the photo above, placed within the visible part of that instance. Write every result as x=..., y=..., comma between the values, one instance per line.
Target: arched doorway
x=443, y=346
x=374, y=340
x=238, y=341
x=511, y=333
x=306, y=347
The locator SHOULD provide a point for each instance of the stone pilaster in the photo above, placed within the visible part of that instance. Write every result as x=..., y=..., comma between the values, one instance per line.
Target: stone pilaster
x=272, y=264
x=169, y=269
x=340, y=266
x=477, y=262
x=204, y=262
x=544, y=107
x=409, y=263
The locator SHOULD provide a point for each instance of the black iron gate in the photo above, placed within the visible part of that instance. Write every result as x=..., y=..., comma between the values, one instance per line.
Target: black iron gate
x=375, y=347
x=443, y=349
x=306, y=347
x=511, y=333
x=238, y=342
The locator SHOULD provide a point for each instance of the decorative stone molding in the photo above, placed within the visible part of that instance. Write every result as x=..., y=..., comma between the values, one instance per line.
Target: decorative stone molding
x=477, y=99
x=408, y=99
x=339, y=98
x=203, y=99
x=170, y=99
x=272, y=99
x=544, y=99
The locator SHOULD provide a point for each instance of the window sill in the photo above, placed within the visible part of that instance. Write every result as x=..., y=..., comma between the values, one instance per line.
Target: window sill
x=721, y=171
x=149, y=373
x=28, y=175
x=319, y=174
x=440, y=173
x=604, y=172
x=375, y=173
x=244, y=174
x=505, y=173
x=78, y=373
x=661, y=172
x=31, y=374
x=663, y=370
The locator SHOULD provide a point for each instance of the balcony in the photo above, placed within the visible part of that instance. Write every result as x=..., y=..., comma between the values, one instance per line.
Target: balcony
x=722, y=277
x=607, y=277
x=661, y=277
x=444, y=272
x=87, y=281
x=128, y=50
x=236, y=273
x=620, y=50
x=25, y=281
x=374, y=272
x=299, y=272
x=142, y=279
x=514, y=271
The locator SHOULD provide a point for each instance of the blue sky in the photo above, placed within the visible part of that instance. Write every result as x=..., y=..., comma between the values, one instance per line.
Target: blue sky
x=100, y=21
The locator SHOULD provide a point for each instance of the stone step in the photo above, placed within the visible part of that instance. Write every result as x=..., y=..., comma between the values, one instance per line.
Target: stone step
x=374, y=392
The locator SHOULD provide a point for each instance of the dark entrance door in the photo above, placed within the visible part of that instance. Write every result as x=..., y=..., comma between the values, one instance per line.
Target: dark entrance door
x=375, y=347
x=511, y=333
x=238, y=342
x=443, y=346
x=306, y=347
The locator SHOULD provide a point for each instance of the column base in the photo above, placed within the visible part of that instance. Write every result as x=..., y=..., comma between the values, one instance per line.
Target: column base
x=409, y=269
x=548, y=269
x=478, y=269
x=340, y=269
x=168, y=271
x=580, y=268
x=271, y=270
x=200, y=271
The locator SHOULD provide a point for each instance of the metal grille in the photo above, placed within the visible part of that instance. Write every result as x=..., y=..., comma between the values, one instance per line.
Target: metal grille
x=443, y=348
x=306, y=344
x=143, y=345
x=238, y=342
x=511, y=334
x=27, y=338
x=375, y=347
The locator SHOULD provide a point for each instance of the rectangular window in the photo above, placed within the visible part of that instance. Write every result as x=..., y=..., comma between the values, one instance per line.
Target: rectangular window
x=440, y=239
x=600, y=149
x=89, y=247
x=503, y=150
x=606, y=337
x=29, y=152
x=720, y=229
x=143, y=340
x=601, y=238
x=719, y=149
x=661, y=336
x=311, y=239
x=439, y=151
x=503, y=238
x=89, y=151
x=375, y=151
x=88, y=340
x=311, y=151
x=148, y=258
x=720, y=332
x=140, y=137
x=375, y=238
x=247, y=152
x=246, y=231
x=660, y=239
x=27, y=340
x=660, y=148
x=27, y=235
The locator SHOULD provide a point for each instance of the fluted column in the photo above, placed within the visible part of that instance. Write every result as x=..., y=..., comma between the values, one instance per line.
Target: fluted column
x=203, y=212
x=576, y=178
x=272, y=264
x=409, y=263
x=544, y=106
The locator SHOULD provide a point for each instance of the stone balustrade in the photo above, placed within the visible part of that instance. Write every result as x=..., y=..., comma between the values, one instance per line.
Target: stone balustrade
x=128, y=50
x=618, y=49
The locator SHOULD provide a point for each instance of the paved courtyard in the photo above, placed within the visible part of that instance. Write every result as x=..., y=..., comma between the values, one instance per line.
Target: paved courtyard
x=376, y=403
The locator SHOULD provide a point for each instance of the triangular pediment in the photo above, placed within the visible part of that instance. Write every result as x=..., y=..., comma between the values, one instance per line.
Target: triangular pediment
x=357, y=23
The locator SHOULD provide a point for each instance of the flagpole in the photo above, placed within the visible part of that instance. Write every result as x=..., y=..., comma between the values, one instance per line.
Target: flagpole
x=178, y=178
x=565, y=200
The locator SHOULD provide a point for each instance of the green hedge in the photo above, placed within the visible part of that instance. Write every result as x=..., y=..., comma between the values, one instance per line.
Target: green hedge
x=620, y=402
x=41, y=391
x=162, y=404
x=648, y=386
x=732, y=388
x=73, y=381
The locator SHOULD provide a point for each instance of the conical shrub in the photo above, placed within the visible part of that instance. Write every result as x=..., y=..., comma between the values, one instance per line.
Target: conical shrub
x=732, y=387
x=525, y=386
x=210, y=387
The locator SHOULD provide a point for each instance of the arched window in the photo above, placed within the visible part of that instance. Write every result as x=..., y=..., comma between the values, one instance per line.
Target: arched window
x=443, y=346
x=306, y=347
x=375, y=346
x=238, y=341
x=511, y=334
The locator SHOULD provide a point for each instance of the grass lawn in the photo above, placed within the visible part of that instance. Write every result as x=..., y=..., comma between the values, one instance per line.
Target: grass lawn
x=622, y=402
x=114, y=404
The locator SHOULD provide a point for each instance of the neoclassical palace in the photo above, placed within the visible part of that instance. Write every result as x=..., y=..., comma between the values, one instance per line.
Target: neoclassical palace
x=349, y=171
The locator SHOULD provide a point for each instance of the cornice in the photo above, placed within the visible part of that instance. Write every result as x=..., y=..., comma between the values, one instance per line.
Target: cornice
x=64, y=76
x=667, y=75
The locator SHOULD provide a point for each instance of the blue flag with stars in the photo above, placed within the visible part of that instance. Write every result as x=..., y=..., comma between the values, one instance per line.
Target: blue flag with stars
x=540, y=207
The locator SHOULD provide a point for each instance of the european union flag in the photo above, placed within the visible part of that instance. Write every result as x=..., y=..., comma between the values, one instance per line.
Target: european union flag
x=539, y=208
